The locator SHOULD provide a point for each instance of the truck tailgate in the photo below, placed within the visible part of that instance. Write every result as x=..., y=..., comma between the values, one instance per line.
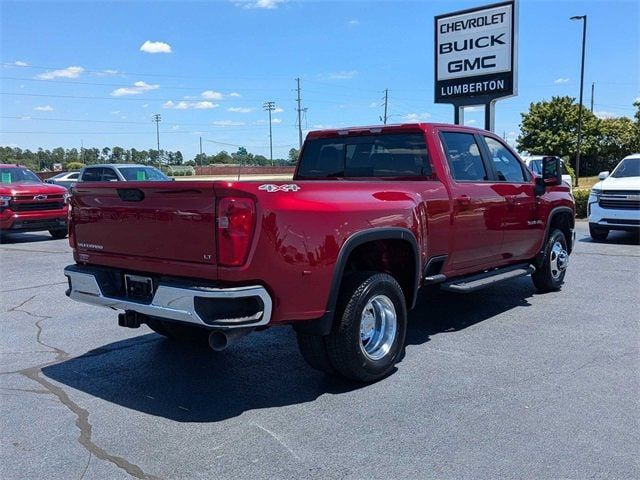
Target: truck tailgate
x=156, y=220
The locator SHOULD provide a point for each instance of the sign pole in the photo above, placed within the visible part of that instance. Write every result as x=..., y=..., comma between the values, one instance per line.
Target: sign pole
x=458, y=115
x=490, y=116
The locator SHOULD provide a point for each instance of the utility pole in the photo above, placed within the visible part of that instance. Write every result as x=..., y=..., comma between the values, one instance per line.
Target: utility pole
x=158, y=118
x=200, y=151
x=593, y=86
x=386, y=102
x=270, y=107
x=584, y=41
x=299, y=109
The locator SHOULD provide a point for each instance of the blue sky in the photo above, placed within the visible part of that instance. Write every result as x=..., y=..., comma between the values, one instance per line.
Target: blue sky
x=215, y=63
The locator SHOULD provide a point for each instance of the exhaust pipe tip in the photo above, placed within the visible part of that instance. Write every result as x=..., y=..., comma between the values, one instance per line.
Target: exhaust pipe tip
x=218, y=341
x=221, y=339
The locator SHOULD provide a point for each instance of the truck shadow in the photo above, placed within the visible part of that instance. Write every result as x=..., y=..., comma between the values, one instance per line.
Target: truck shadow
x=615, y=238
x=19, y=237
x=185, y=383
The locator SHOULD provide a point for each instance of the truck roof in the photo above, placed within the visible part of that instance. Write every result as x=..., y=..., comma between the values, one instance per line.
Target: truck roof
x=389, y=128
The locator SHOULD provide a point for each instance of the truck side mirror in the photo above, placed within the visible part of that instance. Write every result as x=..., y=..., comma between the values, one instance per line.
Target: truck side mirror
x=551, y=171
x=603, y=175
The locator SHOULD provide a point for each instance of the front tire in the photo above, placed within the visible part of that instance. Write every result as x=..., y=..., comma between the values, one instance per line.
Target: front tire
x=597, y=233
x=58, y=233
x=367, y=338
x=550, y=276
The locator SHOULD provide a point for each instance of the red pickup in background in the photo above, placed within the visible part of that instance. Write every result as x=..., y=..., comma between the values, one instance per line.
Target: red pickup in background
x=27, y=204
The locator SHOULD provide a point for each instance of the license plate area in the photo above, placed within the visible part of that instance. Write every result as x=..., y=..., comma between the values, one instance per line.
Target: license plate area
x=138, y=287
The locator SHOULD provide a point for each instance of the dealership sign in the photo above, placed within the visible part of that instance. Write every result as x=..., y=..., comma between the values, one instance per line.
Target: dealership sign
x=475, y=53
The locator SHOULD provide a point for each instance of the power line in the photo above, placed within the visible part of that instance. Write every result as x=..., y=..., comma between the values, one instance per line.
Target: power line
x=108, y=72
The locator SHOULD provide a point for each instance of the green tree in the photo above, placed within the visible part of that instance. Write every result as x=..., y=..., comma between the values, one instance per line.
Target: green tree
x=294, y=153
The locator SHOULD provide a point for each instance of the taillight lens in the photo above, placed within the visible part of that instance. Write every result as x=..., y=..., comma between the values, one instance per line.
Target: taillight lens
x=70, y=229
x=236, y=223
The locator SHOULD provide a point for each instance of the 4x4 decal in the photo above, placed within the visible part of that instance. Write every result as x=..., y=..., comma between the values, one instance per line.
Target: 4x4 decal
x=271, y=188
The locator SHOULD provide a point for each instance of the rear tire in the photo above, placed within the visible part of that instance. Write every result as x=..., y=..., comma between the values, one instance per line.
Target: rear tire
x=58, y=233
x=314, y=351
x=367, y=338
x=597, y=233
x=550, y=276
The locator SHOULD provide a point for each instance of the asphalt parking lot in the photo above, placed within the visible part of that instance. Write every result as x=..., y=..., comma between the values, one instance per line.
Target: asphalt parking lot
x=502, y=383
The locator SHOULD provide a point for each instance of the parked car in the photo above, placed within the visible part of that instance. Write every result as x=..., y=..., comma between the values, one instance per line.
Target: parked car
x=372, y=214
x=126, y=172
x=64, y=179
x=27, y=204
x=534, y=162
x=614, y=202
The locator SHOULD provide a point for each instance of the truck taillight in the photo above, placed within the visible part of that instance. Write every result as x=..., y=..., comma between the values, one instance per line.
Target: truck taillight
x=72, y=237
x=236, y=223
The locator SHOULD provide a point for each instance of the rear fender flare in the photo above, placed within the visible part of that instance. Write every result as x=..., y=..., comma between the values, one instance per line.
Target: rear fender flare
x=322, y=326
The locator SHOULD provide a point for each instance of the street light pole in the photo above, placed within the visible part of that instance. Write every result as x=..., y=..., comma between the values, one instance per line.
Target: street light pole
x=584, y=41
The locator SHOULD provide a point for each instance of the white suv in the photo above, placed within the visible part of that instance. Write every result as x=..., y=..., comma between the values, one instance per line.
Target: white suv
x=614, y=202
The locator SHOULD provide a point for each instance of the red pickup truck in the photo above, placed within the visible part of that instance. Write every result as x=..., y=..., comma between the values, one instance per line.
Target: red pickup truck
x=372, y=214
x=27, y=204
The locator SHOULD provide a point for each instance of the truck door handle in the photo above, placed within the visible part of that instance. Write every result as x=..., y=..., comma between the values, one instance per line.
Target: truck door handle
x=511, y=200
x=463, y=201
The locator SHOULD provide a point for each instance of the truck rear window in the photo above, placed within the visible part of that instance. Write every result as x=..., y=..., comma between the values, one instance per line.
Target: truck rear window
x=382, y=156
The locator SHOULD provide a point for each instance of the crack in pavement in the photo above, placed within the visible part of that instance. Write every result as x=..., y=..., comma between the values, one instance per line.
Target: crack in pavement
x=85, y=427
x=81, y=414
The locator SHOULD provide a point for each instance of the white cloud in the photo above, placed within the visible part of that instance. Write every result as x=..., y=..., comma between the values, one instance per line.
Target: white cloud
x=44, y=108
x=145, y=105
x=211, y=95
x=69, y=72
x=240, y=109
x=115, y=112
x=561, y=80
x=416, y=117
x=374, y=105
x=20, y=63
x=279, y=110
x=175, y=127
x=205, y=105
x=470, y=122
x=276, y=120
x=109, y=73
x=235, y=95
x=342, y=75
x=155, y=47
x=472, y=109
x=264, y=4
x=353, y=23
x=602, y=114
x=227, y=123
x=137, y=88
x=184, y=105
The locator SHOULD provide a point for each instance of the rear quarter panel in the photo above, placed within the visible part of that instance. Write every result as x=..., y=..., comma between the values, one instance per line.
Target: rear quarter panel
x=299, y=234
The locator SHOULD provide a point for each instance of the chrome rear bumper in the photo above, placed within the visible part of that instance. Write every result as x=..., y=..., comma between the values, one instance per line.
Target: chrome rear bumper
x=171, y=302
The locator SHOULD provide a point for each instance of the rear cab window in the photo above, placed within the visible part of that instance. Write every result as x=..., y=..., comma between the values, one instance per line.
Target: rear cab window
x=390, y=155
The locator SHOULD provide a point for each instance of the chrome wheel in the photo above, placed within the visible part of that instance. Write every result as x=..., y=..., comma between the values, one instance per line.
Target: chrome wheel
x=378, y=326
x=558, y=260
